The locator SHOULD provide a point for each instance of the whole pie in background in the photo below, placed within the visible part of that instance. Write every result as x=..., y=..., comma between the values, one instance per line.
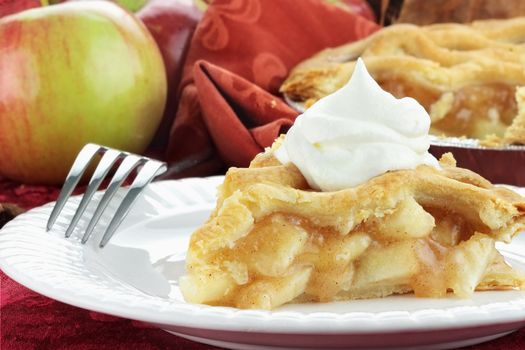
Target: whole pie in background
x=423, y=12
x=470, y=78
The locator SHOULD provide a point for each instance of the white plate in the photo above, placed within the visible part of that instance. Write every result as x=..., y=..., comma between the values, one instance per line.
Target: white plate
x=135, y=277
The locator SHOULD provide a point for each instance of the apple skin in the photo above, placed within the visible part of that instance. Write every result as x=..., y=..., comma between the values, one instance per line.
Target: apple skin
x=15, y=6
x=131, y=5
x=172, y=24
x=70, y=74
x=361, y=7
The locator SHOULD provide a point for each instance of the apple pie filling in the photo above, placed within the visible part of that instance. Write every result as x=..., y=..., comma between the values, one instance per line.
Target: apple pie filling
x=406, y=250
x=474, y=111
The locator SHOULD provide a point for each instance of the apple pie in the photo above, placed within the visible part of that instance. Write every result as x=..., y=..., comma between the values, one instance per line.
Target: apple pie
x=273, y=240
x=470, y=78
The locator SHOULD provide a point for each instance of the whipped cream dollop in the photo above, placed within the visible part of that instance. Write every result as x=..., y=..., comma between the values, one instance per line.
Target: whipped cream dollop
x=357, y=133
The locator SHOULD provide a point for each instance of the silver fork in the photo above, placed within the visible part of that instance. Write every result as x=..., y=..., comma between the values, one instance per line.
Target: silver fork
x=150, y=169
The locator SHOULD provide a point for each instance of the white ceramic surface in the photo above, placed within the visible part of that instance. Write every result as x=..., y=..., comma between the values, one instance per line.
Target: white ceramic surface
x=135, y=277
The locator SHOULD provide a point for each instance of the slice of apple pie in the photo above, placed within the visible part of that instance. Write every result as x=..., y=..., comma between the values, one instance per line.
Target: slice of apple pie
x=273, y=240
x=470, y=78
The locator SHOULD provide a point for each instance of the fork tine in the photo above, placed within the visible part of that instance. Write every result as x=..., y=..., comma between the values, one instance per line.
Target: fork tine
x=106, y=163
x=75, y=173
x=144, y=177
x=128, y=164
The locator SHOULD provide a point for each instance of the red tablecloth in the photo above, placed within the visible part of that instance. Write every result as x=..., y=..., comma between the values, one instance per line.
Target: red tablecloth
x=31, y=321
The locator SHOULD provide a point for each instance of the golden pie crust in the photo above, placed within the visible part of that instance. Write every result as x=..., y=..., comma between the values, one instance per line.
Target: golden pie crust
x=470, y=78
x=273, y=240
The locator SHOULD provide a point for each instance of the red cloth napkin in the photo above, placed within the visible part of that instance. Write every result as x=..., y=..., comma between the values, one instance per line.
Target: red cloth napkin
x=240, y=54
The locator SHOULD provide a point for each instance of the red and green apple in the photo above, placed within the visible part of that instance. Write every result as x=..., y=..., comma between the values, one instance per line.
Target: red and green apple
x=172, y=24
x=70, y=74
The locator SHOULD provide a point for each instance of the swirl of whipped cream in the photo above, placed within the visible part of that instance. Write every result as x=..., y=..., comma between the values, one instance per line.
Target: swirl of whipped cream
x=357, y=133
